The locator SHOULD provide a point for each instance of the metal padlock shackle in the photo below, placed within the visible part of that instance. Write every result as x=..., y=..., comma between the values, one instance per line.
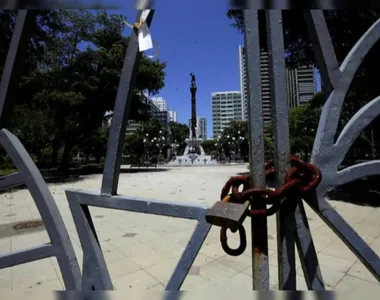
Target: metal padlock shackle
x=227, y=214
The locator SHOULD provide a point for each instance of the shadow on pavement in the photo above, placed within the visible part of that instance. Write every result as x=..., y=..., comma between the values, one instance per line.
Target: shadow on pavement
x=142, y=170
x=364, y=191
x=361, y=192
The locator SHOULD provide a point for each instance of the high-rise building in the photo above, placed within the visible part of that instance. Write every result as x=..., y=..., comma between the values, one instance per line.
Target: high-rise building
x=226, y=107
x=155, y=112
x=160, y=103
x=243, y=82
x=265, y=84
x=301, y=84
x=172, y=116
x=163, y=117
x=201, y=128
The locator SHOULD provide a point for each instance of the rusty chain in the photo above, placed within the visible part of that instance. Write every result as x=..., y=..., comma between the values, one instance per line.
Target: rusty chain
x=302, y=177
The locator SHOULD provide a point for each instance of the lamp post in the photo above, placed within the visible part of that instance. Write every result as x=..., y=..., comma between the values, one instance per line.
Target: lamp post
x=231, y=143
x=234, y=145
x=219, y=146
x=174, y=147
x=240, y=142
x=160, y=143
x=147, y=144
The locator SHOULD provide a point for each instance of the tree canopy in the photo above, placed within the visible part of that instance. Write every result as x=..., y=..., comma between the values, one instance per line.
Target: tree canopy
x=75, y=59
x=178, y=134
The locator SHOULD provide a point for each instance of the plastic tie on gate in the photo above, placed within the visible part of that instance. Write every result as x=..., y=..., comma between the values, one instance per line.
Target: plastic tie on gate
x=143, y=34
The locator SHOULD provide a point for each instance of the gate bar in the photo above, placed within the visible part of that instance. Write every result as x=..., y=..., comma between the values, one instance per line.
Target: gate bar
x=259, y=229
x=17, y=49
x=285, y=217
x=125, y=90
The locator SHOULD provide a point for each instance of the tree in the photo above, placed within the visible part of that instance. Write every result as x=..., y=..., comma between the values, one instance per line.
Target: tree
x=235, y=138
x=36, y=133
x=209, y=146
x=77, y=78
x=178, y=134
x=95, y=145
x=134, y=147
x=303, y=124
x=156, y=138
x=152, y=127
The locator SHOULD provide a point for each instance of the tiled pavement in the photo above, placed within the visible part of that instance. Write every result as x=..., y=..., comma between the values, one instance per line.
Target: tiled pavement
x=142, y=250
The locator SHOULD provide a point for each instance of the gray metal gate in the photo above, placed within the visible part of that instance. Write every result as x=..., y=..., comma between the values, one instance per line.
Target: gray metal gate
x=292, y=226
x=28, y=174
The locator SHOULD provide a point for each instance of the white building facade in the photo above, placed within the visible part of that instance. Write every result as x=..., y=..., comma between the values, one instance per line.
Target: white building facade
x=172, y=116
x=226, y=107
x=160, y=103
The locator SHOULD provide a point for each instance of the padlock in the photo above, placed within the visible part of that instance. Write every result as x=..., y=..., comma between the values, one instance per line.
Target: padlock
x=227, y=214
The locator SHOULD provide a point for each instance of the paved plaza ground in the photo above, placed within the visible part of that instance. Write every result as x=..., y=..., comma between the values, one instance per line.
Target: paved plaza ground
x=141, y=251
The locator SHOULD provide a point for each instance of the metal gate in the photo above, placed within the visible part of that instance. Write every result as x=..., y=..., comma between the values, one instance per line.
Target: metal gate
x=292, y=225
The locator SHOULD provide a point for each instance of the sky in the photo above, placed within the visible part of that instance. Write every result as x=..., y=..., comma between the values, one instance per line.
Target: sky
x=195, y=37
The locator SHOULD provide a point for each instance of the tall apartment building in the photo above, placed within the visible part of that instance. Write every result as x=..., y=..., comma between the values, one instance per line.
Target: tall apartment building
x=265, y=84
x=226, y=107
x=172, y=116
x=201, y=129
x=301, y=85
x=160, y=103
x=243, y=82
x=162, y=114
x=155, y=112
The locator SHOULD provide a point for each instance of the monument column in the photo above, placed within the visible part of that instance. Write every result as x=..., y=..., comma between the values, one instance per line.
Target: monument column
x=193, y=90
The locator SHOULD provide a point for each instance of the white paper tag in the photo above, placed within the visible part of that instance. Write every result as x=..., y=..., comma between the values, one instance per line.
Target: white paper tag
x=145, y=14
x=144, y=36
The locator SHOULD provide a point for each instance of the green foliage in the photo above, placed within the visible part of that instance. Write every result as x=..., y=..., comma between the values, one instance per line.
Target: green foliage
x=95, y=145
x=155, y=137
x=209, y=146
x=303, y=125
x=152, y=127
x=178, y=134
x=134, y=147
x=70, y=80
x=234, y=138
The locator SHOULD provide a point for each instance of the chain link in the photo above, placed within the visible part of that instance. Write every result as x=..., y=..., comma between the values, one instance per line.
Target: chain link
x=302, y=178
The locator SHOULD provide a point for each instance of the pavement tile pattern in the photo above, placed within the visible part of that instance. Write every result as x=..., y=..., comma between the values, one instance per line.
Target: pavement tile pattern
x=141, y=250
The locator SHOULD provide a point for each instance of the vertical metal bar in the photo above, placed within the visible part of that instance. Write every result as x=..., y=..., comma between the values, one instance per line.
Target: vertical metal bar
x=260, y=267
x=16, y=47
x=285, y=218
x=121, y=110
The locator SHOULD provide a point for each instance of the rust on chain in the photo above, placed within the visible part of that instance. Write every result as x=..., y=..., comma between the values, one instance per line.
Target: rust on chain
x=302, y=178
